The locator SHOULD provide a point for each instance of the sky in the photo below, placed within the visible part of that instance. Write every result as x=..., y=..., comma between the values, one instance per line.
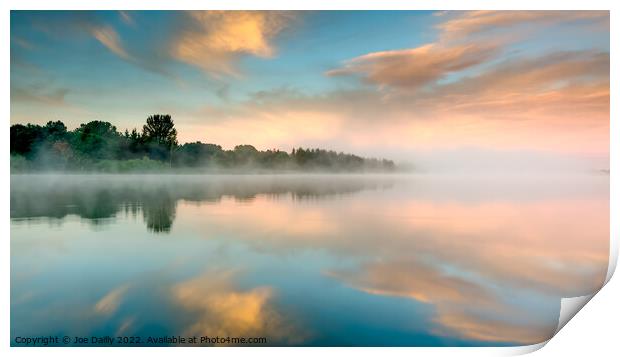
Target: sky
x=482, y=90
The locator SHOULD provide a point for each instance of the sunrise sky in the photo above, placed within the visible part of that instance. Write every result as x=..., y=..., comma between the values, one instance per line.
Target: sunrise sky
x=476, y=89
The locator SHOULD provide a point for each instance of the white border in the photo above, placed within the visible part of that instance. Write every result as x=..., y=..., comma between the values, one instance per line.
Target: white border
x=597, y=330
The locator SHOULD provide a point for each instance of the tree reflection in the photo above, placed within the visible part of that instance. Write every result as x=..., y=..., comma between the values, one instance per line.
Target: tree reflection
x=101, y=198
x=159, y=212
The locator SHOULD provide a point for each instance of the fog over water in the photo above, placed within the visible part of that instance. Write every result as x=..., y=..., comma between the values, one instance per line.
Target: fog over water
x=415, y=260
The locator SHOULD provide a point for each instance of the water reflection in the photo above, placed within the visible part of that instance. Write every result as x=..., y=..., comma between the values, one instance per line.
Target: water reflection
x=100, y=198
x=325, y=260
x=221, y=309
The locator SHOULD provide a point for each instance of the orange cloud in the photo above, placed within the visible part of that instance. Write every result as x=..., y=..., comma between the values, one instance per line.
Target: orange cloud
x=218, y=37
x=474, y=22
x=414, y=68
x=565, y=86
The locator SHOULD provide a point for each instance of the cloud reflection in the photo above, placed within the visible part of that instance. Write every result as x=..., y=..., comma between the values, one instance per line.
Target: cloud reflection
x=108, y=304
x=463, y=308
x=222, y=309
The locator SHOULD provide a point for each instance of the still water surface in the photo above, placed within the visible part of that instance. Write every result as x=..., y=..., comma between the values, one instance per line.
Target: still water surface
x=305, y=260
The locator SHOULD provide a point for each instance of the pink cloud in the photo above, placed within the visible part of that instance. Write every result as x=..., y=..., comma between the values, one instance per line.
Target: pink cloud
x=414, y=68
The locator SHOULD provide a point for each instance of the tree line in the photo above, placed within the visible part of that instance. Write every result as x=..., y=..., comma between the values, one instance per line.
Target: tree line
x=99, y=146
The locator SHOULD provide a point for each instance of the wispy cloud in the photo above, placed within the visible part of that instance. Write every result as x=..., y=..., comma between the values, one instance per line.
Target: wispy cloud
x=567, y=85
x=476, y=22
x=75, y=24
x=27, y=45
x=127, y=18
x=54, y=97
x=108, y=37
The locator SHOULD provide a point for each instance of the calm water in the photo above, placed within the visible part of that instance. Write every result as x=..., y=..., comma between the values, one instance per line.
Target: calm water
x=305, y=260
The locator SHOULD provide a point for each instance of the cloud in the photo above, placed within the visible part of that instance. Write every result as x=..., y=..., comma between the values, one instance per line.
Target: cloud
x=414, y=68
x=564, y=85
x=65, y=24
x=108, y=37
x=215, y=39
x=24, y=44
x=54, y=97
x=476, y=22
x=127, y=18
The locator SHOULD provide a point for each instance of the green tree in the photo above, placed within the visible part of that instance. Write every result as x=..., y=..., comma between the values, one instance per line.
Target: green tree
x=159, y=135
x=245, y=154
x=55, y=131
x=97, y=140
x=25, y=139
x=160, y=129
x=196, y=154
